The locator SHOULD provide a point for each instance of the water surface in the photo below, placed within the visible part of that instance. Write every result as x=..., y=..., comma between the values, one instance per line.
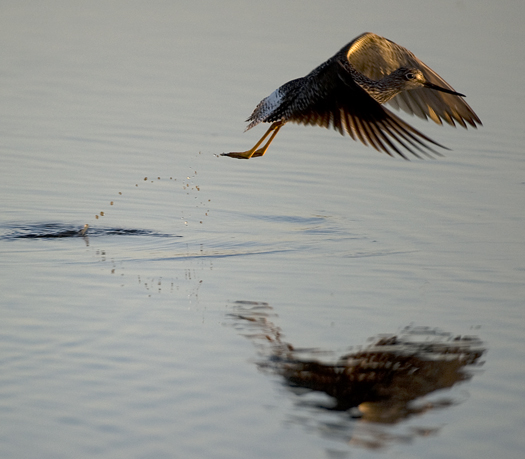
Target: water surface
x=127, y=342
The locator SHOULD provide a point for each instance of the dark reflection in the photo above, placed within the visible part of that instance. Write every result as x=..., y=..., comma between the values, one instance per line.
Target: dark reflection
x=61, y=230
x=384, y=382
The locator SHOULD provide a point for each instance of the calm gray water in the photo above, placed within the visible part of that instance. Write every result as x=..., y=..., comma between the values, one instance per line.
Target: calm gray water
x=129, y=343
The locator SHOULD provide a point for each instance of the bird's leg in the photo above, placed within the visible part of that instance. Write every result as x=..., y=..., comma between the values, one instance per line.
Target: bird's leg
x=261, y=151
x=252, y=152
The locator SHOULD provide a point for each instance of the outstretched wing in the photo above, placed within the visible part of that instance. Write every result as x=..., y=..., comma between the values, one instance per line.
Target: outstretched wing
x=376, y=57
x=329, y=96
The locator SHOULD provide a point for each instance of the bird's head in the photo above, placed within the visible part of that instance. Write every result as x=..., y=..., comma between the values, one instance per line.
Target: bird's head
x=411, y=78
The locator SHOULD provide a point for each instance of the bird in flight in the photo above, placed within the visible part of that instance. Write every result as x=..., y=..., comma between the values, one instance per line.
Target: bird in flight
x=347, y=92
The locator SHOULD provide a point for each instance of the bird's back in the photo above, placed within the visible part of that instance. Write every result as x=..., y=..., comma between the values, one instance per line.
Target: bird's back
x=297, y=99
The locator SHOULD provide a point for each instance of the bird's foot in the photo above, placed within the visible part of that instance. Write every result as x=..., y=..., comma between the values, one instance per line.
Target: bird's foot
x=259, y=152
x=241, y=155
x=253, y=152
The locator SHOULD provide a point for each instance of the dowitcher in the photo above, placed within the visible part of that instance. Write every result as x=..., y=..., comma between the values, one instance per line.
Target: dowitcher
x=348, y=90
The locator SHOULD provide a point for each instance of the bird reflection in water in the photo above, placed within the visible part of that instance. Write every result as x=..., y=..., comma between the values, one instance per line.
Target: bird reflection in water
x=380, y=383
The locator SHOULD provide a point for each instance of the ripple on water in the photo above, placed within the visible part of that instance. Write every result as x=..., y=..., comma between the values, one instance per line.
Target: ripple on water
x=64, y=230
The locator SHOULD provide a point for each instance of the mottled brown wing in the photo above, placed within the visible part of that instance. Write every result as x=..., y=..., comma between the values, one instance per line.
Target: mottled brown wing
x=329, y=97
x=376, y=57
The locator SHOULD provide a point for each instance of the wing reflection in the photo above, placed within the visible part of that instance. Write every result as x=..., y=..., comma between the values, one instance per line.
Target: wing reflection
x=380, y=383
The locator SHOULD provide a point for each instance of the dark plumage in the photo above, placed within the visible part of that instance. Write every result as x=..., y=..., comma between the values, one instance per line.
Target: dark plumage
x=347, y=92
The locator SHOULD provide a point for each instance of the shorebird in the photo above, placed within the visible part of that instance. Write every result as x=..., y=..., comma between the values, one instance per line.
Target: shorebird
x=347, y=92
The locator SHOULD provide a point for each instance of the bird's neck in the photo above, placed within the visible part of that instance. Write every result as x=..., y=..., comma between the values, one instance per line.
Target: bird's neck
x=380, y=90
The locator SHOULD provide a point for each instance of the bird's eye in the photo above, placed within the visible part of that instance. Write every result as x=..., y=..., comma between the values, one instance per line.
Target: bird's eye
x=410, y=76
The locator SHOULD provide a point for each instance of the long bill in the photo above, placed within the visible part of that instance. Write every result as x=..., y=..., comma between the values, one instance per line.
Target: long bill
x=439, y=88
